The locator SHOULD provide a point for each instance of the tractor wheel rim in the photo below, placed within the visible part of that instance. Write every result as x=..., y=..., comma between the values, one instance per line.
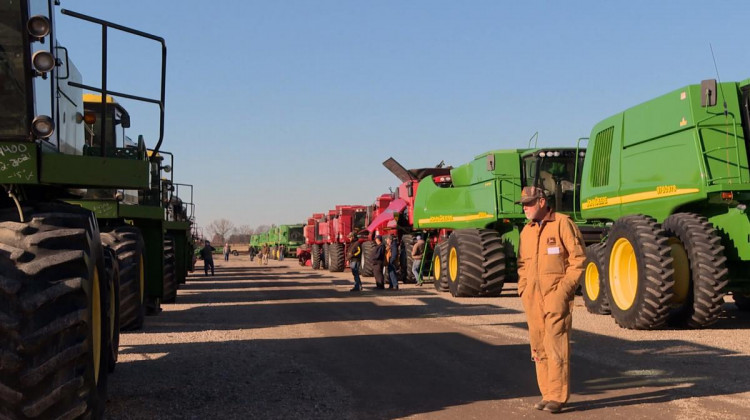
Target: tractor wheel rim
x=592, y=281
x=453, y=265
x=681, y=276
x=437, y=268
x=96, y=325
x=623, y=274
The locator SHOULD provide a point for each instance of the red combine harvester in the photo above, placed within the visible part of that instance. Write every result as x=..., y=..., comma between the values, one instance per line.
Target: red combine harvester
x=342, y=221
x=317, y=235
x=396, y=218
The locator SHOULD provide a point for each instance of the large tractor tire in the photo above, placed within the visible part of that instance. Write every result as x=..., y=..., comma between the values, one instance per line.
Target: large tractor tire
x=112, y=270
x=315, y=256
x=169, y=286
x=440, y=268
x=54, y=314
x=336, y=263
x=127, y=243
x=741, y=301
x=640, y=283
x=700, y=272
x=594, y=278
x=325, y=258
x=476, y=263
x=367, y=248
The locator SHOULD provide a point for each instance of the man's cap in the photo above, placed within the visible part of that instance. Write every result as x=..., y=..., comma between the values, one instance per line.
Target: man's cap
x=379, y=237
x=529, y=194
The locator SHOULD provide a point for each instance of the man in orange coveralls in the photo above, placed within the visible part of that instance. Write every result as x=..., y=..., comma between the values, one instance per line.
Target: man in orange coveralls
x=550, y=264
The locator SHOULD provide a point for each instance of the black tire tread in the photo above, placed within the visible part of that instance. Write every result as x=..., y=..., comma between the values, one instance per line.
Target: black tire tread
x=367, y=248
x=651, y=310
x=600, y=306
x=45, y=287
x=337, y=262
x=127, y=242
x=709, y=274
x=481, y=259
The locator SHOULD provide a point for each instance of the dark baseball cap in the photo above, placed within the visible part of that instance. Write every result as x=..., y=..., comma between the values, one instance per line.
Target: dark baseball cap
x=529, y=194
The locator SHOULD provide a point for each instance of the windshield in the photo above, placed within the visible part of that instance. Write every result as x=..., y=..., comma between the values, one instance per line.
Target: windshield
x=295, y=235
x=557, y=176
x=359, y=220
x=14, y=105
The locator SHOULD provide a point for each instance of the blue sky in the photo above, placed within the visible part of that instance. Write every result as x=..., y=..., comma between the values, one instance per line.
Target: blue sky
x=278, y=109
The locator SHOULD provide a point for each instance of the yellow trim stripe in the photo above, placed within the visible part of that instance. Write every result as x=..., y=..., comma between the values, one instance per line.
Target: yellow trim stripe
x=660, y=192
x=451, y=218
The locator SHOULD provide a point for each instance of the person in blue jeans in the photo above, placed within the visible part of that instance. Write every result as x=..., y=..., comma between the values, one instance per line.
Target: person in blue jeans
x=354, y=255
x=391, y=256
x=417, y=252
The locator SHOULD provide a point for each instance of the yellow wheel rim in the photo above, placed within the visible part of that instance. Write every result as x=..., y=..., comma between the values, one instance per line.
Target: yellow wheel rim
x=681, y=265
x=437, y=267
x=142, y=279
x=623, y=274
x=453, y=264
x=96, y=325
x=592, y=281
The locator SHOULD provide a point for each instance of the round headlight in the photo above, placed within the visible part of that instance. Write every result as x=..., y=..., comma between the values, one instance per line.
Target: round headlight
x=542, y=154
x=42, y=127
x=38, y=26
x=43, y=61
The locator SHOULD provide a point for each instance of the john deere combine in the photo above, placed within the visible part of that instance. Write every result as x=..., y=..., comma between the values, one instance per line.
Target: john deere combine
x=473, y=216
x=66, y=229
x=671, y=177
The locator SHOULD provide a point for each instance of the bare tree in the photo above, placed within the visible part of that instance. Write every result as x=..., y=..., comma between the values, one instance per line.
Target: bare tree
x=241, y=235
x=221, y=228
x=262, y=229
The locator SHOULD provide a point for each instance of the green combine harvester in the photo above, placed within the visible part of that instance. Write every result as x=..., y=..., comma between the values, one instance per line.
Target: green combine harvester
x=669, y=178
x=82, y=233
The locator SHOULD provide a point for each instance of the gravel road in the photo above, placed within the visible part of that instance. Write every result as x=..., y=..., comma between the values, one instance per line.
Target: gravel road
x=286, y=342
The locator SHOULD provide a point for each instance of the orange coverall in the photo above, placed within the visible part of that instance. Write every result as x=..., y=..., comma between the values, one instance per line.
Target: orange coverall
x=550, y=264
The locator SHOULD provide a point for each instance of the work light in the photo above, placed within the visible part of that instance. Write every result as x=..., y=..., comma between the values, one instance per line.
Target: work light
x=38, y=27
x=42, y=127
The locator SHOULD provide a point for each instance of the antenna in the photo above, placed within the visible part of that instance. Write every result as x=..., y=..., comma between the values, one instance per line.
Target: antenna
x=726, y=111
x=535, y=137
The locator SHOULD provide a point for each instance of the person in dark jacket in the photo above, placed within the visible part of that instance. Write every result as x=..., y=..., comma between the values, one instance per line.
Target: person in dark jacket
x=392, y=259
x=208, y=258
x=354, y=254
x=377, y=257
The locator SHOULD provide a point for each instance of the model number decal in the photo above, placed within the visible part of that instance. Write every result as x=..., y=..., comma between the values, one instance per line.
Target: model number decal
x=666, y=189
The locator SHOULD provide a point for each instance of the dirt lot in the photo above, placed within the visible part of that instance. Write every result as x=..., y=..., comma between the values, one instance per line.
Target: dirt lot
x=283, y=341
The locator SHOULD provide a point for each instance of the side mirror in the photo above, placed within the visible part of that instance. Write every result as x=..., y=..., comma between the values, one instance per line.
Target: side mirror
x=708, y=93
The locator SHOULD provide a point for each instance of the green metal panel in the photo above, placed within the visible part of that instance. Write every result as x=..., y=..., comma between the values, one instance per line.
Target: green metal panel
x=153, y=237
x=102, y=209
x=667, y=153
x=18, y=163
x=129, y=211
x=182, y=252
x=91, y=171
x=455, y=208
x=734, y=226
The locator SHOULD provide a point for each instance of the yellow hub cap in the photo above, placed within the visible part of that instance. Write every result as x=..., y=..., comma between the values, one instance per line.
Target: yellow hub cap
x=592, y=282
x=623, y=274
x=437, y=267
x=453, y=265
x=681, y=275
x=96, y=325
x=142, y=278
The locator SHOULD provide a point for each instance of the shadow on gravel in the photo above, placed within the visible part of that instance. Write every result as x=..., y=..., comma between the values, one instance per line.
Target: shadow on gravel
x=356, y=377
x=386, y=375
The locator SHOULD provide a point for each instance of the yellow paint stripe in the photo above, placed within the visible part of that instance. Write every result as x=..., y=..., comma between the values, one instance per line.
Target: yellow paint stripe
x=598, y=202
x=451, y=218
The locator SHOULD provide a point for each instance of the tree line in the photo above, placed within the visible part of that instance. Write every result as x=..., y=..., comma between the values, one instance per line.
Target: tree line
x=222, y=231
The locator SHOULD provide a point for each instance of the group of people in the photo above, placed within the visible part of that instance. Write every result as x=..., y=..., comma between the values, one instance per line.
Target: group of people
x=384, y=260
x=550, y=263
x=263, y=253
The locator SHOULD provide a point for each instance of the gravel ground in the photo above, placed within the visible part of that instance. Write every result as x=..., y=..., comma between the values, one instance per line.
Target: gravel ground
x=284, y=341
